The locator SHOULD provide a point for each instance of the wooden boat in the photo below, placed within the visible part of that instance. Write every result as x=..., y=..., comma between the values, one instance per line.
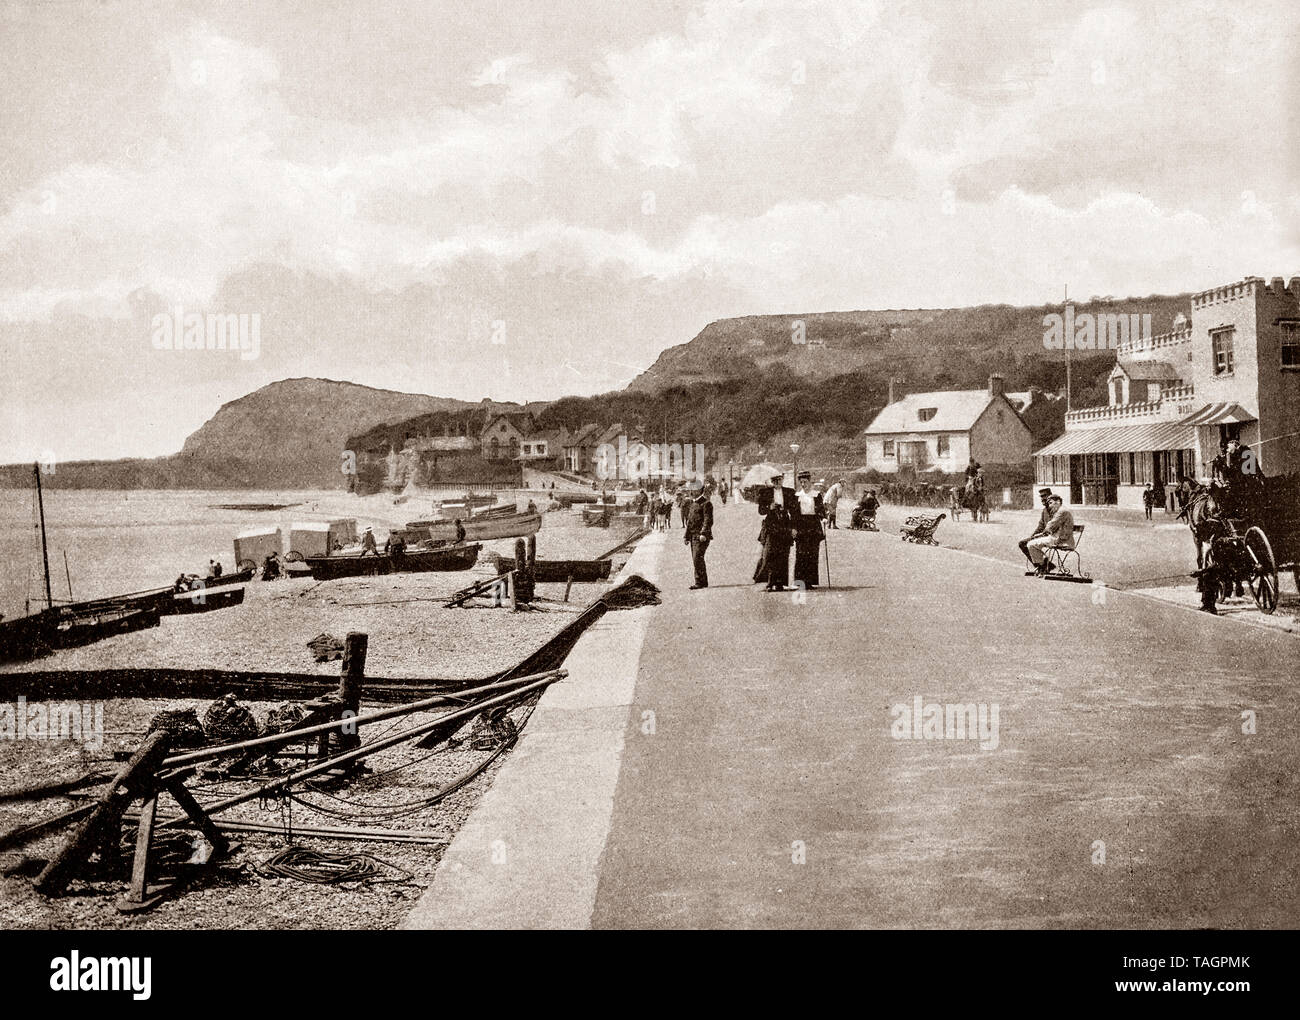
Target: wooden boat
x=252, y=506
x=71, y=624
x=450, y=516
x=480, y=529
x=216, y=593
x=584, y=571
x=454, y=557
x=74, y=630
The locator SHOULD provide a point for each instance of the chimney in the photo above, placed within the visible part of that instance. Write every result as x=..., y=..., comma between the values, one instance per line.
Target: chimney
x=995, y=385
x=895, y=389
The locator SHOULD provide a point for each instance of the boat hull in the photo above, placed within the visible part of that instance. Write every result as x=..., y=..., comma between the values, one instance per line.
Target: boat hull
x=559, y=571
x=486, y=529
x=328, y=568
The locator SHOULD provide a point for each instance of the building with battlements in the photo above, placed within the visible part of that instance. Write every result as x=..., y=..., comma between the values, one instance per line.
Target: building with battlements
x=1231, y=369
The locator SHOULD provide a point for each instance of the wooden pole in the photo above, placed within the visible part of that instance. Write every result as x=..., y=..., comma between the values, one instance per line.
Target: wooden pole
x=271, y=789
x=567, y=585
x=135, y=775
x=45, y=553
x=350, y=683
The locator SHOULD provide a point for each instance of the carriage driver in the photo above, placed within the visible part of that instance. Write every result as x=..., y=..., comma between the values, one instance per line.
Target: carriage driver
x=1058, y=531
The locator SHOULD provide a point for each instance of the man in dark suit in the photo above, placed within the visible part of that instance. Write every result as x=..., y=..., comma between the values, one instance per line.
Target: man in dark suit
x=699, y=531
x=775, y=506
x=1041, y=528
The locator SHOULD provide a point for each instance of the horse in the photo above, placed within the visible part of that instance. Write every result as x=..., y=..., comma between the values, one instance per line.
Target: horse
x=973, y=500
x=1203, y=513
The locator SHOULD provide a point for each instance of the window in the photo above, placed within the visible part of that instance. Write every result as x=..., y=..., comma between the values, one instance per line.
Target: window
x=926, y=413
x=1291, y=345
x=888, y=448
x=1153, y=393
x=1222, y=341
x=942, y=446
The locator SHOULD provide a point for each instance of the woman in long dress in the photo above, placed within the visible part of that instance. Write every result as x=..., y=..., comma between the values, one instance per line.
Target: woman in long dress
x=808, y=534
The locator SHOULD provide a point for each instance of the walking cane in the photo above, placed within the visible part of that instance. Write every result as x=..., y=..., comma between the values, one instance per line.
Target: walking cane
x=826, y=538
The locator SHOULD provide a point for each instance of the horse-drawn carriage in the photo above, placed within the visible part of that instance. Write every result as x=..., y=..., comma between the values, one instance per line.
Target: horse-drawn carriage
x=1245, y=539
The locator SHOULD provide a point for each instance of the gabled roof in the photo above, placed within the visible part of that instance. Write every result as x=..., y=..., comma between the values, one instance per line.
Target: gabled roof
x=584, y=436
x=521, y=420
x=554, y=438
x=955, y=411
x=1145, y=371
x=611, y=434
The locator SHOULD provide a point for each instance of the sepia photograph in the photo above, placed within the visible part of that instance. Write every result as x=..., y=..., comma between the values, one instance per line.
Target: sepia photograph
x=662, y=464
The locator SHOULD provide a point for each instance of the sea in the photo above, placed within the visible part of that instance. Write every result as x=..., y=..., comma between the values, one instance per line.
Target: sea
x=107, y=542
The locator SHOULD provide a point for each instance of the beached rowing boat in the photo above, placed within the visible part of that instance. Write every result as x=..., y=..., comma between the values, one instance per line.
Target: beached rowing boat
x=559, y=571
x=454, y=557
x=479, y=529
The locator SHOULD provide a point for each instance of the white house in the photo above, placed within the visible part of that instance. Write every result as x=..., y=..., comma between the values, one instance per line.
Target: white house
x=941, y=431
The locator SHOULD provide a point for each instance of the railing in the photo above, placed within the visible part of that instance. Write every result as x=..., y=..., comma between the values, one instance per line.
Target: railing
x=1150, y=343
x=1165, y=407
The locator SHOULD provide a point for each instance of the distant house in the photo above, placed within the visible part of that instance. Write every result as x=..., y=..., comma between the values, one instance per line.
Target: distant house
x=941, y=431
x=543, y=449
x=499, y=439
x=580, y=447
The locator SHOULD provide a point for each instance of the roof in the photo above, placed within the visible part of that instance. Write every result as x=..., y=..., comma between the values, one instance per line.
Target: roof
x=552, y=437
x=584, y=435
x=1142, y=371
x=521, y=420
x=1163, y=435
x=611, y=434
x=955, y=411
x=1218, y=414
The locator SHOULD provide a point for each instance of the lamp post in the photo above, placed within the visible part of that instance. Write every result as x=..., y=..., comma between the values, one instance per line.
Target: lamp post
x=794, y=448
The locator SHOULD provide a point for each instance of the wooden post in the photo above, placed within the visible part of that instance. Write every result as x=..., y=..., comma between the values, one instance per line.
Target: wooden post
x=532, y=553
x=521, y=587
x=136, y=775
x=567, y=585
x=350, y=683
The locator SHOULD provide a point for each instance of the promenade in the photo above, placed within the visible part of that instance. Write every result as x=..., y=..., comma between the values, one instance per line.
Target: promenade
x=747, y=768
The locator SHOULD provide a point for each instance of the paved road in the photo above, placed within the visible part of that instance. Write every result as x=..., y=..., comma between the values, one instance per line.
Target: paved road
x=770, y=791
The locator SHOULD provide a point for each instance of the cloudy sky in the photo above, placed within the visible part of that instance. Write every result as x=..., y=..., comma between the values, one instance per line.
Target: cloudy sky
x=522, y=200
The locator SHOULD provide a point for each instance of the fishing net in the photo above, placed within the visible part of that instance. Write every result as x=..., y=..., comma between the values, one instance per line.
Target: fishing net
x=633, y=593
x=326, y=647
x=182, y=724
x=227, y=721
x=283, y=718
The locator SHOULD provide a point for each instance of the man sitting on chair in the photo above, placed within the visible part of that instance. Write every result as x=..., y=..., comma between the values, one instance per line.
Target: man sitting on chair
x=1059, y=531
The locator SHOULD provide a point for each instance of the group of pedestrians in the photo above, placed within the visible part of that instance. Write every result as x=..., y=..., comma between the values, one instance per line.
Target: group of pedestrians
x=791, y=519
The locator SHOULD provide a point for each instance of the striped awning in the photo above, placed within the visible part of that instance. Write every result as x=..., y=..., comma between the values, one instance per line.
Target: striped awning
x=1219, y=414
x=1163, y=435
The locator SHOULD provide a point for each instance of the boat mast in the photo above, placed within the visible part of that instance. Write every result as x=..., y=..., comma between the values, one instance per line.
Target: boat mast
x=45, y=553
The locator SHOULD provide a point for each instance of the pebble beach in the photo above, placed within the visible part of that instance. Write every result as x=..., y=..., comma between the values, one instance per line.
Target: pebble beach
x=412, y=635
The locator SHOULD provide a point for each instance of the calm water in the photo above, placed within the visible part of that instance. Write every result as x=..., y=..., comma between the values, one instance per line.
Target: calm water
x=125, y=541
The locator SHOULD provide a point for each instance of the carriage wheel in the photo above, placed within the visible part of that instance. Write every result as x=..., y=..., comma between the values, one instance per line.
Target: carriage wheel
x=243, y=565
x=1263, y=574
x=293, y=556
